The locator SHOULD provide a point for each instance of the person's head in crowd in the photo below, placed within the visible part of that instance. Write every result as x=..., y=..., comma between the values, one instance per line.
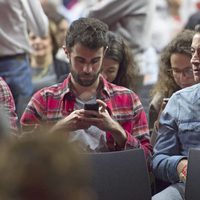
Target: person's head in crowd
x=118, y=65
x=83, y=37
x=195, y=49
x=60, y=21
x=61, y=29
x=175, y=67
x=174, y=7
x=46, y=67
x=44, y=48
x=43, y=168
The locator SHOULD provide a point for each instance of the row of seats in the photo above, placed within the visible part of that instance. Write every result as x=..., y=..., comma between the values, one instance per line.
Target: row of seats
x=123, y=175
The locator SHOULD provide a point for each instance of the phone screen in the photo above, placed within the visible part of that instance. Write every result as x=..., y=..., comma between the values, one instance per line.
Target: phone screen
x=93, y=106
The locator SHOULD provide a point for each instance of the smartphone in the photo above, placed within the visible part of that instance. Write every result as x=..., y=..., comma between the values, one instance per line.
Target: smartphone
x=93, y=106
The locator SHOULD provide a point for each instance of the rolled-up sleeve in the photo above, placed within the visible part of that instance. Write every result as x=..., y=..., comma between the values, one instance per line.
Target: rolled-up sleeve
x=167, y=148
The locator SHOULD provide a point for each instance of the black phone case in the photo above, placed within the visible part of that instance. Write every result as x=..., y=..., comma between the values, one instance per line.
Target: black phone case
x=94, y=106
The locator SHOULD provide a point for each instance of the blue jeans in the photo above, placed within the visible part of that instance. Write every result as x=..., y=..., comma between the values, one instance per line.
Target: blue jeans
x=173, y=192
x=15, y=70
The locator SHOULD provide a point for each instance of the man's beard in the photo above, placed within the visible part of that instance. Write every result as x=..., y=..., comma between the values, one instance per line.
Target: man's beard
x=85, y=82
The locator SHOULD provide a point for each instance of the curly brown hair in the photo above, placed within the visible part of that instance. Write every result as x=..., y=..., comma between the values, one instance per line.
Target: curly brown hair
x=90, y=32
x=166, y=84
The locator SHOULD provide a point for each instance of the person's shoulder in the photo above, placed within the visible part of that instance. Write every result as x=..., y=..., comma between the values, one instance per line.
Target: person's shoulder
x=188, y=90
x=123, y=95
x=2, y=82
x=116, y=89
x=191, y=93
x=4, y=88
x=54, y=91
x=119, y=92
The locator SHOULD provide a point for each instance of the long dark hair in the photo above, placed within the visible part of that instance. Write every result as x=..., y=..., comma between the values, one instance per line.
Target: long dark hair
x=119, y=51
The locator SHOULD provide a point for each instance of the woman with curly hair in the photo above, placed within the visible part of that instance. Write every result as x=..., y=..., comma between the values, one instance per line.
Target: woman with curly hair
x=118, y=65
x=175, y=73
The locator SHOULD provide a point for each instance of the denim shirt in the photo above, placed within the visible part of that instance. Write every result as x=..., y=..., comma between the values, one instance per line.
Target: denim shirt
x=179, y=131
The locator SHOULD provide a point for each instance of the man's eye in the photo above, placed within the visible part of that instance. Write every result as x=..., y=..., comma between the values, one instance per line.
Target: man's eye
x=81, y=61
x=192, y=51
x=176, y=71
x=94, y=61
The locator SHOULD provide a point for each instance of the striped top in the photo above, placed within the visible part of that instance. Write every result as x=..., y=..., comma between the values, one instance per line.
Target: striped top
x=53, y=103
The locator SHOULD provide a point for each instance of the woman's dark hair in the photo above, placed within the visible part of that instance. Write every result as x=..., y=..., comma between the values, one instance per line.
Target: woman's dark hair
x=119, y=51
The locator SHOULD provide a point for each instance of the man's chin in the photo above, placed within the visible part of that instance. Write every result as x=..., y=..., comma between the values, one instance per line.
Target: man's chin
x=86, y=83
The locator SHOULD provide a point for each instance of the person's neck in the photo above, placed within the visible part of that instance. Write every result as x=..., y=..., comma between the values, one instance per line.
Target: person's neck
x=85, y=93
x=42, y=62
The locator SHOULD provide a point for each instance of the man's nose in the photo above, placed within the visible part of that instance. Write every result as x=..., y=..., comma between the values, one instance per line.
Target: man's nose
x=87, y=68
x=37, y=40
x=195, y=58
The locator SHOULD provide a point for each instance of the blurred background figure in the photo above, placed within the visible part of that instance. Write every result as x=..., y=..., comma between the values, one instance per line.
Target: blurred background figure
x=169, y=19
x=118, y=65
x=16, y=19
x=175, y=73
x=130, y=19
x=59, y=30
x=43, y=168
x=46, y=67
x=8, y=116
x=194, y=18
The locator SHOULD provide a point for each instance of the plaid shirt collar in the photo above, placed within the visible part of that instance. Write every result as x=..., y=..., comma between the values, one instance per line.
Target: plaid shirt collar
x=67, y=92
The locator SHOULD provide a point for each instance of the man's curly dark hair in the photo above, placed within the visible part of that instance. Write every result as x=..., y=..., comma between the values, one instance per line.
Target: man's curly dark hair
x=89, y=32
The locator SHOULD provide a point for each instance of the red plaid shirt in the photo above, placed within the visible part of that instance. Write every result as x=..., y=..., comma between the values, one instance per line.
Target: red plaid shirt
x=8, y=105
x=54, y=103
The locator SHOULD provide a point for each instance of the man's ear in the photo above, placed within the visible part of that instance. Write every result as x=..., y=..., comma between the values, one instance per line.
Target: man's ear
x=105, y=50
x=66, y=51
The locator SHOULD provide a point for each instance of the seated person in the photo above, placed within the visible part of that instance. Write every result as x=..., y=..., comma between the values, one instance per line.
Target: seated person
x=175, y=73
x=179, y=130
x=118, y=65
x=7, y=106
x=119, y=123
x=46, y=68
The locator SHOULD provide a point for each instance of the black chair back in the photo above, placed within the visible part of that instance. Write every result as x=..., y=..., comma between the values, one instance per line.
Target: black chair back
x=120, y=175
x=192, y=189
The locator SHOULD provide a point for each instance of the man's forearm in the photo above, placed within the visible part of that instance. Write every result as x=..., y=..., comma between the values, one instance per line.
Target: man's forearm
x=118, y=133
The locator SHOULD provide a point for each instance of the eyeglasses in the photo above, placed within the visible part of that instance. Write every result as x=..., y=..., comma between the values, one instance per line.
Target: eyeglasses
x=186, y=72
